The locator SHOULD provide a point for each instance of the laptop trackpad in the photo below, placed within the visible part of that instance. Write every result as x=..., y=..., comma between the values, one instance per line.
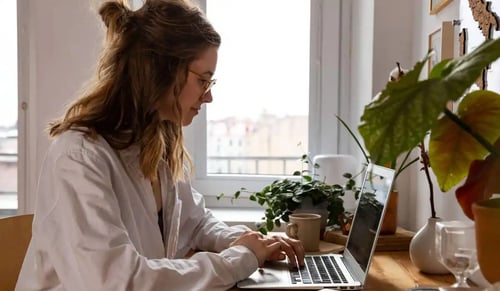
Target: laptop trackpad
x=273, y=274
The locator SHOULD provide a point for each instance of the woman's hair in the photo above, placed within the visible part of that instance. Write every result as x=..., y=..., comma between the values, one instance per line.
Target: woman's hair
x=146, y=57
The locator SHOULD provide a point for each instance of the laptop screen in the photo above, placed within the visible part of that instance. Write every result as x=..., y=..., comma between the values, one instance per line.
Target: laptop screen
x=374, y=194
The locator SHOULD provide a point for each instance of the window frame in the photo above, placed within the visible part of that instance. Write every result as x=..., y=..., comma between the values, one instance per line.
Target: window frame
x=327, y=60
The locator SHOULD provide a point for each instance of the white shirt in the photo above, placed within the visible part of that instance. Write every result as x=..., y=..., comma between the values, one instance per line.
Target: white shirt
x=96, y=227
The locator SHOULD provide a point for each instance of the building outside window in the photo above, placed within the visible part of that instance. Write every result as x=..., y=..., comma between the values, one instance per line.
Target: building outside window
x=8, y=109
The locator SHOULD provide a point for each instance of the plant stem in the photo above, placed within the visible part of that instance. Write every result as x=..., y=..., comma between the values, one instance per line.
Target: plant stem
x=355, y=138
x=426, y=163
x=470, y=131
x=401, y=168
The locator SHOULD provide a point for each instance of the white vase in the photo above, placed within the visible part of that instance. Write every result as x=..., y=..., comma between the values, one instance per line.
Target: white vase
x=422, y=249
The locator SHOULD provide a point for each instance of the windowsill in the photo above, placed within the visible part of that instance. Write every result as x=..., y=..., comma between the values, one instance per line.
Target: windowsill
x=238, y=216
x=8, y=201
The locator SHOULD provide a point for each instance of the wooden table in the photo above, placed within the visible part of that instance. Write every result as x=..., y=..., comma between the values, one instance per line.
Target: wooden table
x=395, y=271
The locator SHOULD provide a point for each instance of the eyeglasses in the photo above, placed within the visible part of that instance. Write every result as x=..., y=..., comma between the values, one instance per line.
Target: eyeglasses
x=207, y=84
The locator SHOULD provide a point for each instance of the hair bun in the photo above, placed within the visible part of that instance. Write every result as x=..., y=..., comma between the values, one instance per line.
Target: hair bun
x=115, y=15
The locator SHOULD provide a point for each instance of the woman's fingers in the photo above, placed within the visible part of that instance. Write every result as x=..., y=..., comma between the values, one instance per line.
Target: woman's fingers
x=274, y=251
x=298, y=248
x=273, y=248
x=291, y=248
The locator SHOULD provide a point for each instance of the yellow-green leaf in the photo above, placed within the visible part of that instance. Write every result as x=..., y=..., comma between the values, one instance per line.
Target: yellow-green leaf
x=451, y=149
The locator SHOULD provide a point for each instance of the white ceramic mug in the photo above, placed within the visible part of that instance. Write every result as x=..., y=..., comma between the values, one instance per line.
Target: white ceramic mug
x=306, y=228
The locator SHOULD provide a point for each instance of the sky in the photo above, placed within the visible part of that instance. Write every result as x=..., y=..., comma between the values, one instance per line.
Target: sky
x=263, y=63
x=8, y=63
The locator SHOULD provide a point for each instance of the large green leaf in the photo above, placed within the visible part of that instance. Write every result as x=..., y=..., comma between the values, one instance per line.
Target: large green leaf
x=481, y=111
x=398, y=120
x=406, y=110
x=461, y=73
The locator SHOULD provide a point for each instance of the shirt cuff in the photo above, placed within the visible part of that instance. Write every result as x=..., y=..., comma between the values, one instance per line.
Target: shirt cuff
x=242, y=260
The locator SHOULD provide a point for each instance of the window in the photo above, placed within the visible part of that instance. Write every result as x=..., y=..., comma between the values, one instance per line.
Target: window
x=278, y=83
x=263, y=74
x=8, y=109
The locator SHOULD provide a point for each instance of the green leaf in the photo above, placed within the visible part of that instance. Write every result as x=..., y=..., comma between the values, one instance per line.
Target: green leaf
x=269, y=224
x=237, y=194
x=481, y=111
x=406, y=110
x=437, y=70
x=263, y=230
x=397, y=121
x=462, y=72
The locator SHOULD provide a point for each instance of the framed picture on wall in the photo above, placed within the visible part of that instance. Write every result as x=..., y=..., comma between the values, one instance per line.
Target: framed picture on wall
x=442, y=41
x=434, y=44
x=437, y=5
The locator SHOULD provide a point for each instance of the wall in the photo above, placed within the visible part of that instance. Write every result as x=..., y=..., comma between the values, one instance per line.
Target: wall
x=59, y=41
x=392, y=40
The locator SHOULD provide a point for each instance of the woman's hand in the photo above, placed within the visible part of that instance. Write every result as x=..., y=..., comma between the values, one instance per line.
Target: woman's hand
x=289, y=247
x=272, y=248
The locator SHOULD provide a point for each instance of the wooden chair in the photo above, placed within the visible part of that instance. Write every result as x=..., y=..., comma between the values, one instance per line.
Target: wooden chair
x=15, y=235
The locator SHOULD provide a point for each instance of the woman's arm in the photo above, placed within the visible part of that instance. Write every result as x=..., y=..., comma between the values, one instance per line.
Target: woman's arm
x=89, y=247
x=207, y=232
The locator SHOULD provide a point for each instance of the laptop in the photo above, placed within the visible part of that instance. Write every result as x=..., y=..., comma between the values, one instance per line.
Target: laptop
x=340, y=271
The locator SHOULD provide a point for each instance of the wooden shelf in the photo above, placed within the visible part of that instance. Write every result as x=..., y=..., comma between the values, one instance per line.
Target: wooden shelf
x=400, y=241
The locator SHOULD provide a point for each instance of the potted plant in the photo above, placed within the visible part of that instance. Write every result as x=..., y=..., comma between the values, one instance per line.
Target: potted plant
x=462, y=144
x=389, y=223
x=284, y=196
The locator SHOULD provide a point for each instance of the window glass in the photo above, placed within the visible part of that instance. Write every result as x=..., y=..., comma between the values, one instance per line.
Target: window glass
x=258, y=121
x=8, y=109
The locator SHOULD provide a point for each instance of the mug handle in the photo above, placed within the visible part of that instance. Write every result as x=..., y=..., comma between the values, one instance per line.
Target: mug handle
x=292, y=230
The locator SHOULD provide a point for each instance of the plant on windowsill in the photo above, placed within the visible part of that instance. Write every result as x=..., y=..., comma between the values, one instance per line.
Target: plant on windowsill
x=465, y=144
x=283, y=196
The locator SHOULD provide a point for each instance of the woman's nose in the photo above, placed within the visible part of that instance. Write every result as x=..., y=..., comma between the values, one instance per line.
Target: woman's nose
x=207, y=98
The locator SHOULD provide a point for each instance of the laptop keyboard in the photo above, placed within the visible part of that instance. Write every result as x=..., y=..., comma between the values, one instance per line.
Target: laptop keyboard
x=318, y=270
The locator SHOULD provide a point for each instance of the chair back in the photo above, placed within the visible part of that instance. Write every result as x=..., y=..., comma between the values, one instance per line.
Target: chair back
x=15, y=235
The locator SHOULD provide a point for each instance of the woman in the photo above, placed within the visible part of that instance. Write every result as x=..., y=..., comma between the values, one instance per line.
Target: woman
x=115, y=209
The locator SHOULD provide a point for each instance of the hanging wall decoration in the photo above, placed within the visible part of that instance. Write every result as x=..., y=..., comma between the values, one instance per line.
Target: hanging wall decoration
x=437, y=5
x=488, y=21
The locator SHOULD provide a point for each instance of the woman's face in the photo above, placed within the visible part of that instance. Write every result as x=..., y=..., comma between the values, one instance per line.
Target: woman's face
x=195, y=92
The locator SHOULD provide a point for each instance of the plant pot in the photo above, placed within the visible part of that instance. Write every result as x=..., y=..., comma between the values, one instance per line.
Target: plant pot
x=423, y=251
x=307, y=206
x=390, y=222
x=486, y=216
